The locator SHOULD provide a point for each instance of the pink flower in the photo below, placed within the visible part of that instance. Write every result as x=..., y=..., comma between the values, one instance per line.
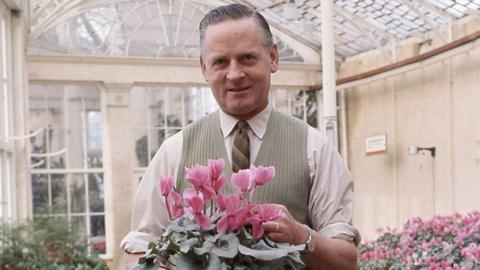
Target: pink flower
x=166, y=185
x=242, y=180
x=198, y=176
x=188, y=193
x=265, y=213
x=263, y=174
x=219, y=182
x=236, y=214
x=202, y=220
x=196, y=202
x=174, y=205
x=215, y=167
x=220, y=201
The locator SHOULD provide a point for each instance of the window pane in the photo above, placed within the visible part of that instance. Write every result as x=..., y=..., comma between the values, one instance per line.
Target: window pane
x=94, y=139
x=298, y=102
x=59, y=194
x=80, y=225
x=280, y=100
x=57, y=148
x=141, y=147
x=40, y=193
x=97, y=228
x=77, y=193
x=311, y=108
x=75, y=148
x=96, y=192
x=198, y=103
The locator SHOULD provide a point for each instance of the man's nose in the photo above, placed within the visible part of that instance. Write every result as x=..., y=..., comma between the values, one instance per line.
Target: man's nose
x=235, y=72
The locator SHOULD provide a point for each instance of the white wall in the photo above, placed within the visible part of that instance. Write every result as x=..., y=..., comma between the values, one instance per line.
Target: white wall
x=436, y=105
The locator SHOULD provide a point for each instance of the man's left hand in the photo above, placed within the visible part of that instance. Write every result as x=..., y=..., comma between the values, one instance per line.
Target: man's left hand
x=285, y=229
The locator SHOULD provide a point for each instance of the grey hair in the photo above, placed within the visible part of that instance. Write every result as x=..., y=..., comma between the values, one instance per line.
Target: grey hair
x=235, y=12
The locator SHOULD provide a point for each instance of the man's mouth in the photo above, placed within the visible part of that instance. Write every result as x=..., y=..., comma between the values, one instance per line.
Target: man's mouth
x=238, y=89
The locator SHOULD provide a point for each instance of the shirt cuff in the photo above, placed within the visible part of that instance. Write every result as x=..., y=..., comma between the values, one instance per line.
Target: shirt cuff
x=341, y=229
x=137, y=242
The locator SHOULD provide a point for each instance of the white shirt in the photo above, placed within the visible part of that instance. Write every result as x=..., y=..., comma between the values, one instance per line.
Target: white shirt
x=330, y=203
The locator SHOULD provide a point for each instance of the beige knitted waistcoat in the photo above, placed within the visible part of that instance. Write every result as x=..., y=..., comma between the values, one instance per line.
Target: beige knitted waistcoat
x=284, y=146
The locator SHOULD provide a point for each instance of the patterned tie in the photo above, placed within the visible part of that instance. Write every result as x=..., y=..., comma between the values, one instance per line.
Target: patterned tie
x=241, y=148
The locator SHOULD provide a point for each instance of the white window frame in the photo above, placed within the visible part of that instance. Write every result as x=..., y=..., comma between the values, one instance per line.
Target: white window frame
x=7, y=158
x=68, y=173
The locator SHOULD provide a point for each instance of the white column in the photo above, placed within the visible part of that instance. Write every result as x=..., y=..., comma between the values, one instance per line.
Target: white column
x=118, y=151
x=328, y=72
x=20, y=112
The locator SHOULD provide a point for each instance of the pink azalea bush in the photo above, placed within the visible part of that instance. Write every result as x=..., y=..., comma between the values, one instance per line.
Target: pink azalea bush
x=443, y=242
x=213, y=230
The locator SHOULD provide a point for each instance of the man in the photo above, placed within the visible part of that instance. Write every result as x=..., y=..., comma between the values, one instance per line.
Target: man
x=312, y=185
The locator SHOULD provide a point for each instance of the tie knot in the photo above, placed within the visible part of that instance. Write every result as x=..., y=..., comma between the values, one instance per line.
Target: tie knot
x=242, y=124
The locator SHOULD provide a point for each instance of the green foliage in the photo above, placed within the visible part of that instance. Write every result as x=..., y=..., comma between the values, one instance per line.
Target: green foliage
x=45, y=243
x=205, y=249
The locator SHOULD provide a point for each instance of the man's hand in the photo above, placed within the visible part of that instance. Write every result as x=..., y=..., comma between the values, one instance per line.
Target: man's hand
x=286, y=229
x=329, y=253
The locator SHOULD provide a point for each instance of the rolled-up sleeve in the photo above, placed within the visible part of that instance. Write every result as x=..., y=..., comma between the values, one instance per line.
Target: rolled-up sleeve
x=331, y=196
x=149, y=215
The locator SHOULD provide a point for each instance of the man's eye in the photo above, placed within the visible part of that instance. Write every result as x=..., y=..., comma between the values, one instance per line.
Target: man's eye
x=248, y=57
x=219, y=62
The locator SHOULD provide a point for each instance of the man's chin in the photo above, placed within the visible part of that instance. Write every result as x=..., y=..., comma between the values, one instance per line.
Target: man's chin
x=242, y=113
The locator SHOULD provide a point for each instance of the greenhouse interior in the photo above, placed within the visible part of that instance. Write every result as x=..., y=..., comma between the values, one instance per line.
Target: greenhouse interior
x=91, y=88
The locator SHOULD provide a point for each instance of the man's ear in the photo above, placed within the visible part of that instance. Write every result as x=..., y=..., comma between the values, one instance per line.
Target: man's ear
x=204, y=69
x=274, y=58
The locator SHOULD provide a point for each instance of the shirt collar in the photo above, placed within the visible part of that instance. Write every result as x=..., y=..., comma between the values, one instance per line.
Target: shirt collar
x=258, y=123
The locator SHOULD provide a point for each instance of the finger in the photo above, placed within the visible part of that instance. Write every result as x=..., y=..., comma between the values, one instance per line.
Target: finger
x=271, y=226
x=277, y=237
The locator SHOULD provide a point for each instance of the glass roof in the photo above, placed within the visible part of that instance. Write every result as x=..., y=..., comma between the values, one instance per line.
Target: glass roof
x=168, y=28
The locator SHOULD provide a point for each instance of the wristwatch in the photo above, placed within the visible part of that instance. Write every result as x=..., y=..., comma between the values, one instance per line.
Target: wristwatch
x=309, y=244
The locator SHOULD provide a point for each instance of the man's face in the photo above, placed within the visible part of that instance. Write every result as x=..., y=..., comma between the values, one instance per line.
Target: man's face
x=237, y=66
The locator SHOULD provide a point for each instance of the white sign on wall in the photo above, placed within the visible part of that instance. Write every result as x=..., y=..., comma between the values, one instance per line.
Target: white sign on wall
x=376, y=144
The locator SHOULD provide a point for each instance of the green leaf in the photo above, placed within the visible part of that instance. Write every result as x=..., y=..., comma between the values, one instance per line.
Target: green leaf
x=188, y=261
x=185, y=246
x=295, y=258
x=226, y=246
x=262, y=251
x=151, y=245
x=214, y=263
x=206, y=247
x=144, y=267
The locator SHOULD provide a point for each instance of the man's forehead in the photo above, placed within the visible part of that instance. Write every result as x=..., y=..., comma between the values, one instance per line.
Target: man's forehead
x=232, y=25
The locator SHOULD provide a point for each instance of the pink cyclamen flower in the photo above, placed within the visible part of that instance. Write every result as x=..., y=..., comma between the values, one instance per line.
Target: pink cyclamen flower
x=198, y=176
x=219, y=182
x=175, y=205
x=188, y=193
x=236, y=214
x=265, y=213
x=221, y=204
x=215, y=167
x=262, y=175
x=166, y=185
x=202, y=220
x=242, y=180
x=196, y=202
